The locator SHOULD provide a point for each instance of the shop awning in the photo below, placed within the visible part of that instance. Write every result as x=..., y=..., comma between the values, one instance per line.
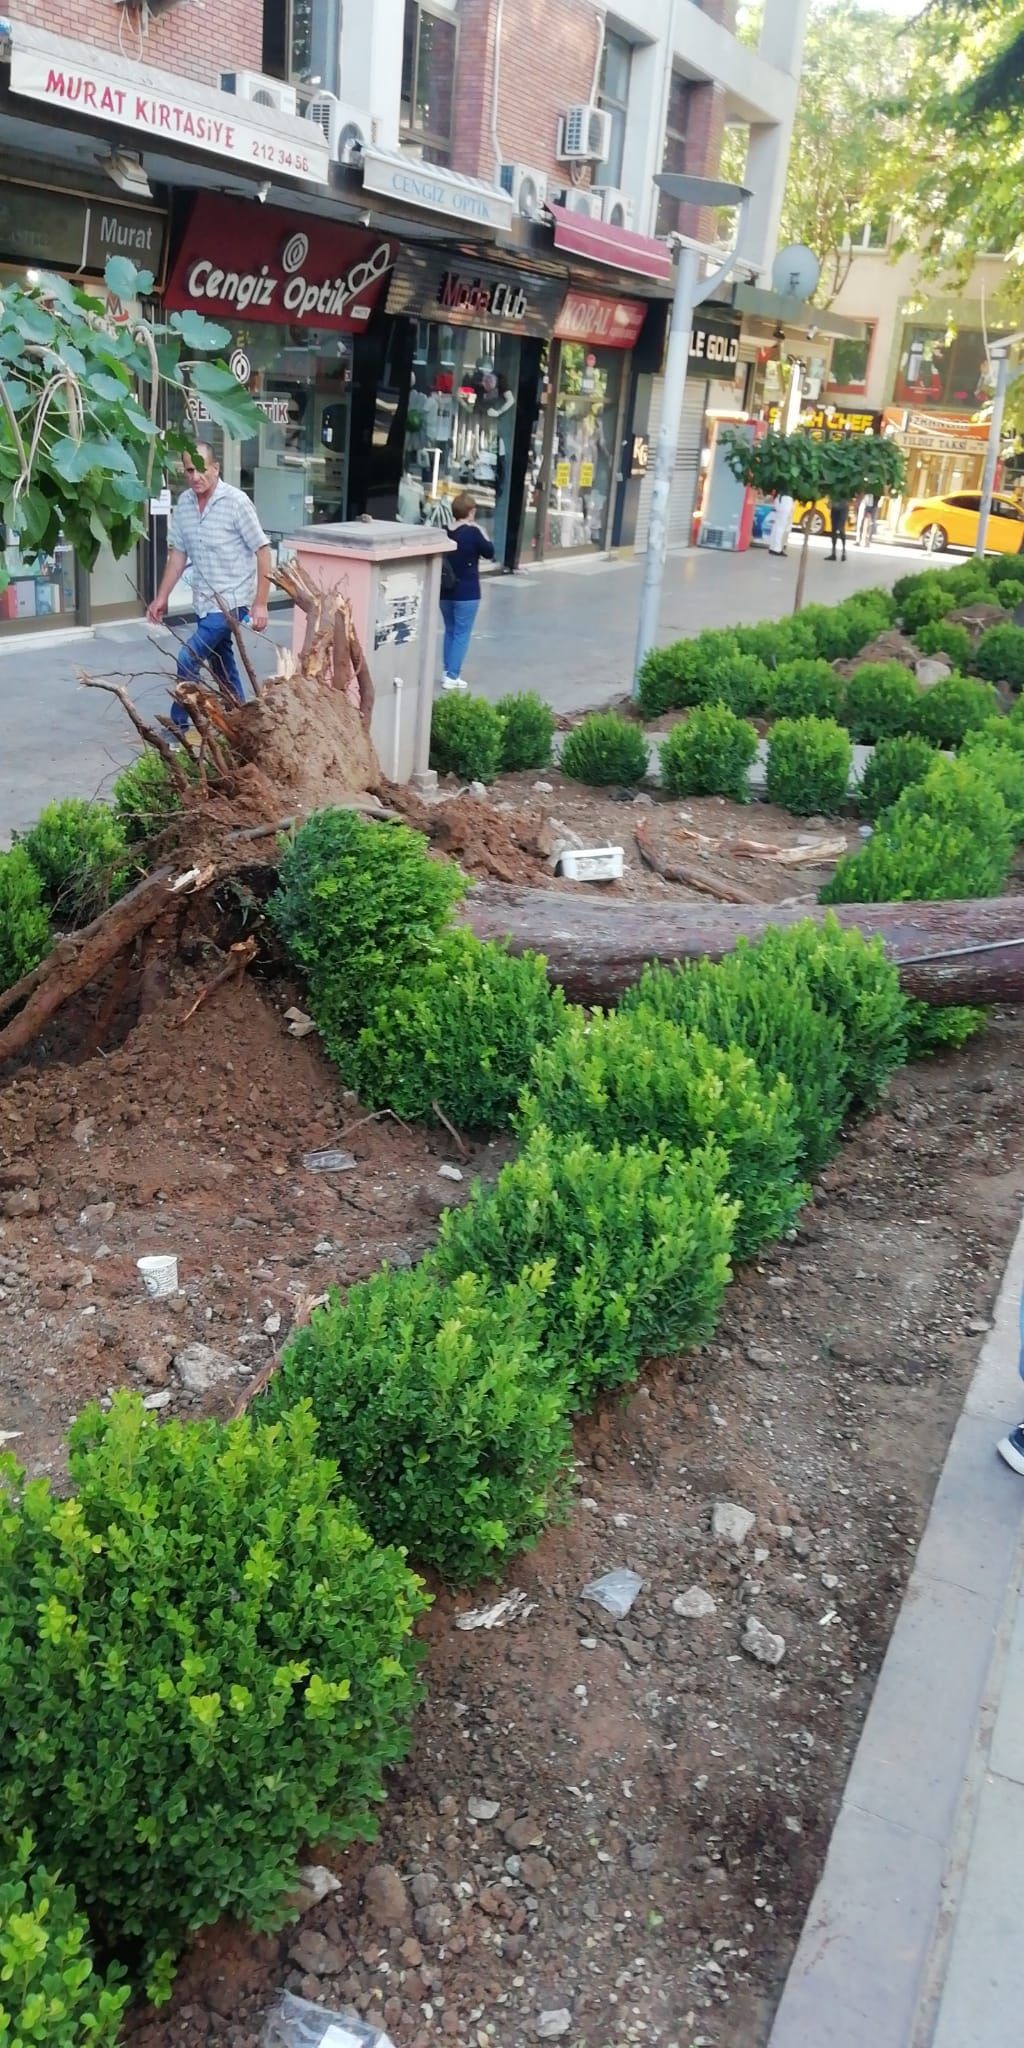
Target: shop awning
x=779, y=310
x=468, y=202
x=577, y=235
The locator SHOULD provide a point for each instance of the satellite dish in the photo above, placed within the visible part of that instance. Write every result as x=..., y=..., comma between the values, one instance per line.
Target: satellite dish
x=795, y=272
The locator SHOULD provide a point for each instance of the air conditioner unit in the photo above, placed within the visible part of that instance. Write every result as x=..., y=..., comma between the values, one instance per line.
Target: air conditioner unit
x=617, y=208
x=579, y=199
x=529, y=189
x=263, y=92
x=584, y=134
x=724, y=537
x=346, y=130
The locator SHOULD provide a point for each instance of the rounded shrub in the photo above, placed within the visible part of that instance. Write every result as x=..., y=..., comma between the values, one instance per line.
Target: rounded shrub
x=881, y=701
x=710, y=755
x=465, y=737
x=1003, y=769
x=851, y=977
x=687, y=672
x=932, y=1029
x=449, y=1419
x=205, y=1665
x=894, y=766
x=943, y=637
x=359, y=906
x=51, y=1994
x=527, y=731
x=743, y=683
x=809, y=761
x=946, y=837
x=968, y=582
x=1008, y=593
x=635, y=1077
x=78, y=850
x=999, y=656
x=144, y=797
x=605, y=749
x=952, y=708
x=1005, y=569
x=24, y=925
x=777, y=640
x=638, y=1239
x=840, y=631
x=805, y=689
x=457, y=1036
x=929, y=597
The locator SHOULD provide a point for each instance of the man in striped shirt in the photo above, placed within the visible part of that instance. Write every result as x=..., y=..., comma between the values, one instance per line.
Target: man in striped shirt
x=215, y=527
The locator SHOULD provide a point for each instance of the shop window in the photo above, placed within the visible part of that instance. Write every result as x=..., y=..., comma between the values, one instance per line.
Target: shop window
x=870, y=234
x=584, y=447
x=849, y=371
x=673, y=157
x=459, y=423
x=428, y=79
x=302, y=41
x=944, y=367
x=613, y=96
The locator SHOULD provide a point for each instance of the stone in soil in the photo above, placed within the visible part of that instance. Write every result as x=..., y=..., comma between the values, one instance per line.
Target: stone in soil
x=386, y=1897
x=694, y=1605
x=759, y=1642
x=731, y=1524
x=201, y=1369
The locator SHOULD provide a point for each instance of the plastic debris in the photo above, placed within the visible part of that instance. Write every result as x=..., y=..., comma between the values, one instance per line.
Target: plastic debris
x=296, y=2023
x=513, y=1606
x=615, y=1592
x=331, y=1161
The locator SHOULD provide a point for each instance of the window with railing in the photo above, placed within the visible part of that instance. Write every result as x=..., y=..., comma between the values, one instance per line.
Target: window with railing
x=302, y=43
x=613, y=96
x=429, y=49
x=673, y=156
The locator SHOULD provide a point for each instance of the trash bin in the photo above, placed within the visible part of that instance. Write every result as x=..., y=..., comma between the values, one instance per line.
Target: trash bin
x=391, y=575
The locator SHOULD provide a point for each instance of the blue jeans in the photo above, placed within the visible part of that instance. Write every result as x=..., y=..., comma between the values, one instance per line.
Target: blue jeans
x=459, y=615
x=211, y=644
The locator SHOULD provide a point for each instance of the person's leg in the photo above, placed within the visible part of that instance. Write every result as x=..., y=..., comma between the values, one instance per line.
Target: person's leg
x=210, y=645
x=842, y=536
x=448, y=615
x=221, y=653
x=465, y=610
x=833, y=527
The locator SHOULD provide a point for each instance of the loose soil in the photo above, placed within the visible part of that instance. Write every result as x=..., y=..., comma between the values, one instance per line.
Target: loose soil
x=659, y=1804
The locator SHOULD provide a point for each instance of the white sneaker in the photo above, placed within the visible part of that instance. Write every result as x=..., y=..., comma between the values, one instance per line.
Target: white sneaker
x=452, y=683
x=458, y=684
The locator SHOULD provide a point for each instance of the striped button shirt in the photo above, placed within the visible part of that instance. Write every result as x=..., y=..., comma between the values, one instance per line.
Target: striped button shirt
x=221, y=545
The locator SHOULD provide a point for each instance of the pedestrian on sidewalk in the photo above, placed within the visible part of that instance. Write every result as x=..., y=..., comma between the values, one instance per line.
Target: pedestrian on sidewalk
x=839, y=513
x=867, y=519
x=216, y=528
x=460, y=587
x=781, y=524
x=1011, y=1449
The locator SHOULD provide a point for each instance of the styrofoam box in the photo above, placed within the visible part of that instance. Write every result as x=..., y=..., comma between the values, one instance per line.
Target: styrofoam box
x=592, y=863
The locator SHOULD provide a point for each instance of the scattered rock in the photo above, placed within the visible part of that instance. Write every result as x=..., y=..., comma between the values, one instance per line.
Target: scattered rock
x=643, y=1857
x=484, y=1809
x=523, y=1833
x=449, y=1172
x=760, y=1356
x=162, y=1399
x=200, y=1368
x=20, y=1173
x=316, y=1882
x=694, y=1605
x=386, y=1897
x=271, y=1325
x=761, y=1644
x=22, y=1202
x=552, y=2025
x=537, y=1872
x=299, y=1025
x=97, y=1214
x=425, y=1886
x=479, y=790
x=543, y=788
x=931, y=669
x=731, y=1524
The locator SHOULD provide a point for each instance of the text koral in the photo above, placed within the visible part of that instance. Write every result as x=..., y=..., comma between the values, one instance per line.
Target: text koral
x=475, y=295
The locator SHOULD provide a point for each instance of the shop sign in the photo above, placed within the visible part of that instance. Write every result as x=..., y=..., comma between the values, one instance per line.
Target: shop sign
x=286, y=268
x=444, y=285
x=603, y=323
x=159, y=108
x=436, y=190
x=640, y=456
x=938, y=433
x=828, y=419
x=715, y=341
x=67, y=231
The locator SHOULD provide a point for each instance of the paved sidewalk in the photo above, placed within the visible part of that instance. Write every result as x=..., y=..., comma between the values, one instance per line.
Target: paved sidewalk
x=566, y=630
x=913, y=1937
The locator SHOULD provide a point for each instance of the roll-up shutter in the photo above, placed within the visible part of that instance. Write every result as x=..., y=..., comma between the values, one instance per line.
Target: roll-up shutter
x=686, y=468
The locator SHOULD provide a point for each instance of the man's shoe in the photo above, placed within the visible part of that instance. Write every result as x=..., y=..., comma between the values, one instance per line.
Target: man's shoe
x=451, y=683
x=1011, y=1450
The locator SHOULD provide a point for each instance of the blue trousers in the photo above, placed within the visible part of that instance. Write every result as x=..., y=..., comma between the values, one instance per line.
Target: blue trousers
x=212, y=644
x=459, y=615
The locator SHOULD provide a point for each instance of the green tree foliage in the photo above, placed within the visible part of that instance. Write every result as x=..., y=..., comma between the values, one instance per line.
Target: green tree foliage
x=810, y=466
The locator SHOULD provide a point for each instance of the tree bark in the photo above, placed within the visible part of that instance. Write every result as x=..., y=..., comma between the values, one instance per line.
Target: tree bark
x=596, y=947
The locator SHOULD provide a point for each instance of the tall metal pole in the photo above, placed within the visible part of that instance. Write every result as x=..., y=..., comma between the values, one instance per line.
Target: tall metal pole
x=995, y=440
x=676, y=362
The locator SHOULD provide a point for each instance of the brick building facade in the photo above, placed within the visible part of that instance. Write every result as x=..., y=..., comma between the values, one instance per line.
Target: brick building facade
x=186, y=42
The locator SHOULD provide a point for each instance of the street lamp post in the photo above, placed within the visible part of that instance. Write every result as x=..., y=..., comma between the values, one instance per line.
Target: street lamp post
x=1000, y=354
x=690, y=292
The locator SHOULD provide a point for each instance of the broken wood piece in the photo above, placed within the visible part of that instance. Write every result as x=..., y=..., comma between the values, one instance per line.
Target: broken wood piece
x=691, y=876
x=266, y=1373
x=241, y=953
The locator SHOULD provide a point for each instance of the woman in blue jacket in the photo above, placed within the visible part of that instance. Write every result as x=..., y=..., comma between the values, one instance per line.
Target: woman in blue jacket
x=460, y=587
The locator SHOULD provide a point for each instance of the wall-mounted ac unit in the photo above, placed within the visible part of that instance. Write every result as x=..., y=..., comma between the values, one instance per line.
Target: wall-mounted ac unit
x=617, y=208
x=723, y=537
x=529, y=189
x=346, y=130
x=578, y=199
x=584, y=134
x=263, y=92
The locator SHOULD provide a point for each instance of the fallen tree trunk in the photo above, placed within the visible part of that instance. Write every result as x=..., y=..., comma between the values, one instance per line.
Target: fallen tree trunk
x=596, y=947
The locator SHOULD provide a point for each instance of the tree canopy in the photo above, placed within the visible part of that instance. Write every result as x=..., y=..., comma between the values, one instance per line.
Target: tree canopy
x=809, y=466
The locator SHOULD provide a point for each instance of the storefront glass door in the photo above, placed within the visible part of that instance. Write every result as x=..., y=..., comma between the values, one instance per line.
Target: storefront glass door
x=459, y=425
x=584, y=451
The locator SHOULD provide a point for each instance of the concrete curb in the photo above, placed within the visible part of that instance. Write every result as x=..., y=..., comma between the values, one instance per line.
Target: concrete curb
x=872, y=1961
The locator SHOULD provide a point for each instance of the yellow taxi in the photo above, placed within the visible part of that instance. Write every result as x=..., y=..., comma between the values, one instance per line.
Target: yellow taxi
x=817, y=517
x=952, y=522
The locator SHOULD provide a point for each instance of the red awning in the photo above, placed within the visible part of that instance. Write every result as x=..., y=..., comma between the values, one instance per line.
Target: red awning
x=578, y=235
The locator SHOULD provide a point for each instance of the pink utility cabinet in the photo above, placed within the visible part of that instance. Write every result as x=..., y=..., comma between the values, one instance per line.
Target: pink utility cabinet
x=391, y=575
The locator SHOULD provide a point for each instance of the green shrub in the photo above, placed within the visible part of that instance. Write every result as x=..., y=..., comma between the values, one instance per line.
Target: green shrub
x=930, y=597
x=943, y=637
x=710, y=755
x=999, y=656
x=809, y=761
x=359, y=906
x=905, y=585
x=747, y=1000
x=775, y=641
x=687, y=672
x=144, y=797
x=1003, y=769
x=1005, y=569
x=805, y=689
x=881, y=702
x=50, y=1992
x=952, y=708
x=637, y=1078
x=948, y=836
x=851, y=977
x=876, y=599
x=79, y=852
x=450, y=1423
x=638, y=1238
x=743, y=683
x=967, y=583
x=527, y=730
x=605, y=749
x=1008, y=593
x=466, y=737
x=932, y=1029
x=24, y=925
x=894, y=766
x=205, y=1664
x=460, y=1034
x=840, y=631
x=659, y=680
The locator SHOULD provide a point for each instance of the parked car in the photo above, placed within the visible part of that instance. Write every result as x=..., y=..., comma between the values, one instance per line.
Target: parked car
x=814, y=516
x=952, y=522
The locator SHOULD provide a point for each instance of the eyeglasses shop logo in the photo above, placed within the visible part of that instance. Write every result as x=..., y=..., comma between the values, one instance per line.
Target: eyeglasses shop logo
x=286, y=287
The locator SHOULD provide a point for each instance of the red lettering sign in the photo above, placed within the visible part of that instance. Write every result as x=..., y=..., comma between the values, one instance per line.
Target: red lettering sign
x=603, y=323
x=290, y=268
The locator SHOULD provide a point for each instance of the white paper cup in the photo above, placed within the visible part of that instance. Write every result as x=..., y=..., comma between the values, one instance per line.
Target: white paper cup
x=160, y=1273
